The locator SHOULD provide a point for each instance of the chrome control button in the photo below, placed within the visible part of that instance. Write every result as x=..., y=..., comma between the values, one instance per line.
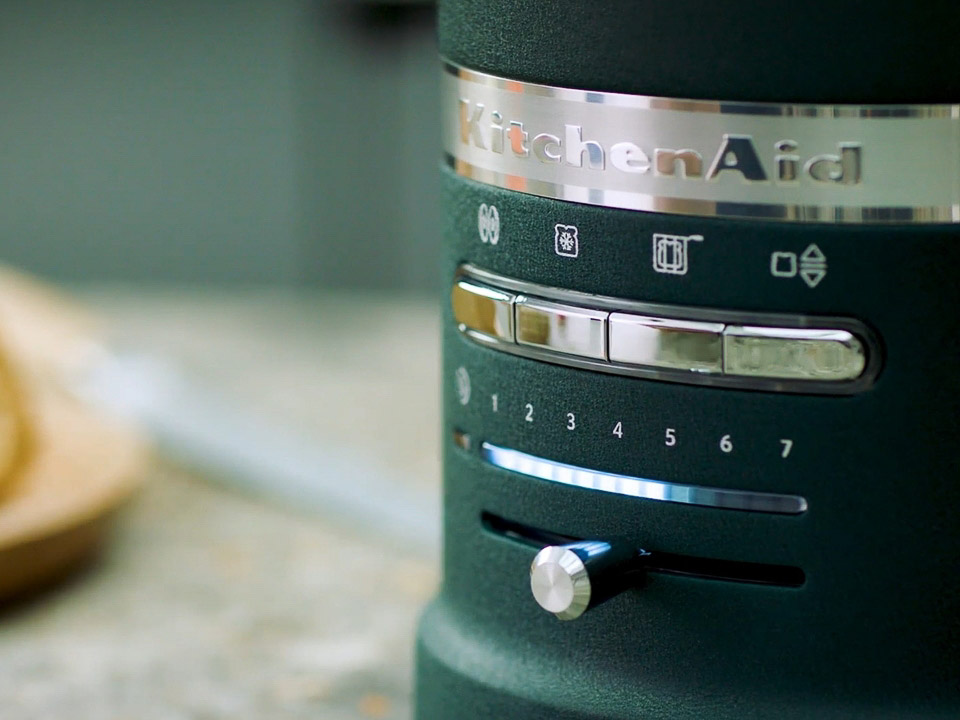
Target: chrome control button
x=484, y=310
x=561, y=328
x=666, y=343
x=792, y=353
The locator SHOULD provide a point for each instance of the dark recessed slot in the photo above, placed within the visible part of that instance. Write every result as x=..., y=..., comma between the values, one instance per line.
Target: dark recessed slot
x=656, y=561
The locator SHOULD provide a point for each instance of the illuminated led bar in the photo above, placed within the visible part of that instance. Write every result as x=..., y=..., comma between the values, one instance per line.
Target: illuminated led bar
x=553, y=471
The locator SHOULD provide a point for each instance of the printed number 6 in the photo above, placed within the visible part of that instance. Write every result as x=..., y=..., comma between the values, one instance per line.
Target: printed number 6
x=726, y=444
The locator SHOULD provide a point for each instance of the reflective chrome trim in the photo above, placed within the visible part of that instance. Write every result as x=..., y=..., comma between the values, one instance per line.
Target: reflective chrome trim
x=801, y=163
x=553, y=471
x=774, y=322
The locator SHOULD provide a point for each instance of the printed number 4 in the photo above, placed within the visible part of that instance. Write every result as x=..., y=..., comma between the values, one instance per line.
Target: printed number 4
x=618, y=429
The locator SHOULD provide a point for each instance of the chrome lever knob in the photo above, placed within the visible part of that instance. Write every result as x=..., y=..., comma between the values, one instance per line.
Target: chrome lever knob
x=568, y=580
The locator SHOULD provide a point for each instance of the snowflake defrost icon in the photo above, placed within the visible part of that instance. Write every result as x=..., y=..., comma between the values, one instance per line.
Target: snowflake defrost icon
x=566, y=242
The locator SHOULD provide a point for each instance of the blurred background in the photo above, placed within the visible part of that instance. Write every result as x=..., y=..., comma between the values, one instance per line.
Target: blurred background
x=233, y=208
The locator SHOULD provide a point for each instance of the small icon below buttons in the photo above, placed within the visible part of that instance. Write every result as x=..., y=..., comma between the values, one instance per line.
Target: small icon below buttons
x=565, y=240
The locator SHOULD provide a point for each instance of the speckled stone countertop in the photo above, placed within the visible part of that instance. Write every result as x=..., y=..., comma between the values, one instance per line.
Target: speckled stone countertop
x=213, y=603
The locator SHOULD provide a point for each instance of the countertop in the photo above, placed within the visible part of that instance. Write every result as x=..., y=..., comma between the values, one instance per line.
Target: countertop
x=226, y=591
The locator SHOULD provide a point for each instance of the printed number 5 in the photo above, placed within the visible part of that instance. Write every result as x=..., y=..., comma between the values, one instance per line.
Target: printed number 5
x=670, y=437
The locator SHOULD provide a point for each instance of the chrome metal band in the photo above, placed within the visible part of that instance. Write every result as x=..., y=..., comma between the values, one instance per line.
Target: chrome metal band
x=558, y=472
x=803, y=163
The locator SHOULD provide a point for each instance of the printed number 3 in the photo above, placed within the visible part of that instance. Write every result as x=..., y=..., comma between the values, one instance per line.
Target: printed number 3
x=571, y=421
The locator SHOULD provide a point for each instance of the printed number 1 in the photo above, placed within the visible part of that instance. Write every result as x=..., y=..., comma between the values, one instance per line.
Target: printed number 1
x=495, y=402
x=787, y=447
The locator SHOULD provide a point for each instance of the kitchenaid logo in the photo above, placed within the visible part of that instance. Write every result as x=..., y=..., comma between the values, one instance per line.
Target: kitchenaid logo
x=732, y=153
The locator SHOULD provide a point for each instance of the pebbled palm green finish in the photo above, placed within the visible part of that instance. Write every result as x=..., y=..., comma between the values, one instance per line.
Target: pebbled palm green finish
x=819, y=51
x=875, y=630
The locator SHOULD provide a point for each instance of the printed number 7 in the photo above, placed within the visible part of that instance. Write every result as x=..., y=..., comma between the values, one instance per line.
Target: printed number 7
x=787, y=447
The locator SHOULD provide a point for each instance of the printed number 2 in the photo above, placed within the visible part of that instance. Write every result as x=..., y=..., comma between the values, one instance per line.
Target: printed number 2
x=787, y=447
x=529, y=417
x=571, y=421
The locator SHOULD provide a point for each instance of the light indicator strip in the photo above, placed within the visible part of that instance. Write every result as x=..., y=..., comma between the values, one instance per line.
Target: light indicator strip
x=558, y=472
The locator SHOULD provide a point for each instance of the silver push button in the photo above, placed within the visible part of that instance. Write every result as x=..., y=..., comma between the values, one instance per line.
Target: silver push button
x=666, y=343
x=792, y=354
x=561, y=328
x=483, y=310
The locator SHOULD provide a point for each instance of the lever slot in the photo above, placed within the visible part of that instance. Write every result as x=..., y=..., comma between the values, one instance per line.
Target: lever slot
x=655, y=560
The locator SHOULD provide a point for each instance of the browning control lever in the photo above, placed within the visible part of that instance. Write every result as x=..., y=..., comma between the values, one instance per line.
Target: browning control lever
x=570, y=579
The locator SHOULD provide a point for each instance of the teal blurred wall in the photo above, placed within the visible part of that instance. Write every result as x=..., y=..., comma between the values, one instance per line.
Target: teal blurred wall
x=252, y=141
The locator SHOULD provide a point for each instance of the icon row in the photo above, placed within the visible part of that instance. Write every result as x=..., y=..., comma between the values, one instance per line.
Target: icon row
x=671, y=254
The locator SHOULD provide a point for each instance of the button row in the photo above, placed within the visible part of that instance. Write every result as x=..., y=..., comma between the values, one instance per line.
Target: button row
x=631, y=339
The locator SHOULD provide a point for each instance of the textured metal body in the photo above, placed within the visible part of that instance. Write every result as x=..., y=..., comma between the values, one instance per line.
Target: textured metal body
x=873, y=629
